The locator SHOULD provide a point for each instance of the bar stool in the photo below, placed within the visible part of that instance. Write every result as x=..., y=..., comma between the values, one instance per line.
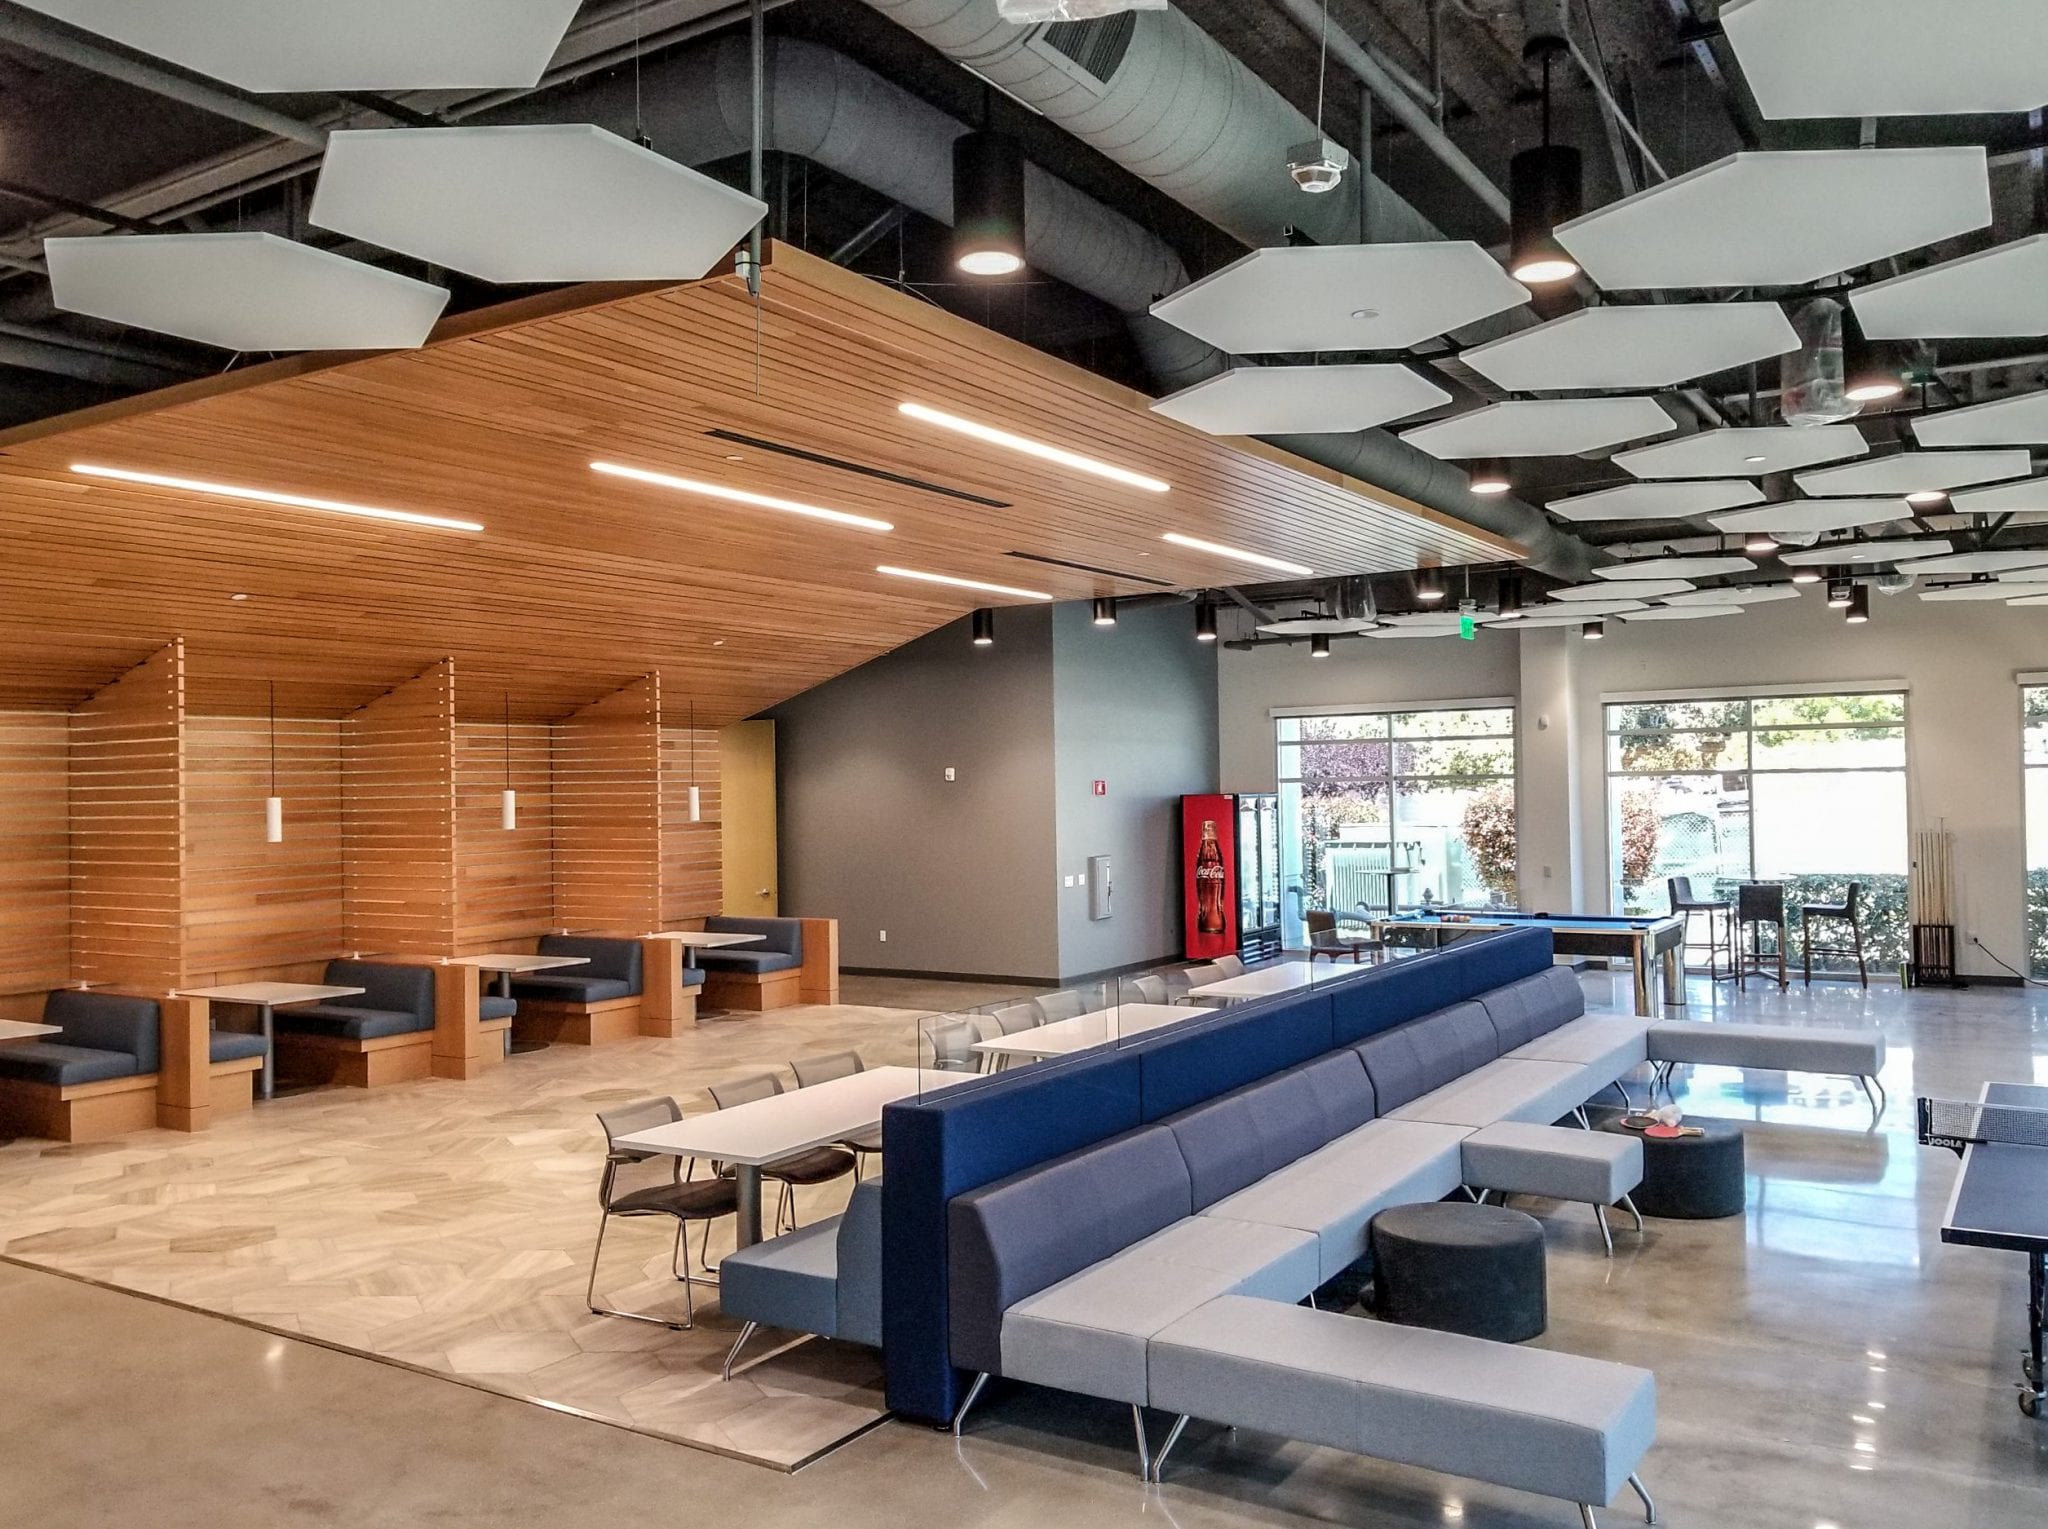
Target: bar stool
x=1685, y=903
x=1844, y=912
x=1758, y=903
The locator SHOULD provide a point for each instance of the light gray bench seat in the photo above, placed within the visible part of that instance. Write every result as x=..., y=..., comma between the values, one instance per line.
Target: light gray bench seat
x=1607, y=1043
x=1557, y=1424
x=1089, y=1332
x=1834, y=1050
x=1334, y=1192
x=1508, y=1089
x=825, y=1278
x=1599, y=1168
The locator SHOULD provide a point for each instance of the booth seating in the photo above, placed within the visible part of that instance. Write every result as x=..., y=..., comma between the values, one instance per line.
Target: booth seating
x=824, y=1279
x=94, y=1079
x=583, y=1005
x=1837, y=1050
x=383, y=1035
x=757, y=977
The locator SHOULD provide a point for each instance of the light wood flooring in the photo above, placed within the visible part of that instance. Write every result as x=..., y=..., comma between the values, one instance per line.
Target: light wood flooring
x=448, y=1226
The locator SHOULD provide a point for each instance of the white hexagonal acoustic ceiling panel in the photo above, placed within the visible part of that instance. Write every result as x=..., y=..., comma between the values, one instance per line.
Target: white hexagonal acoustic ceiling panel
x=1913, y=472
x=1883, y=550
x=1996, y=561
x=554, y=202
x=1342, y=297
x=1575, y=616
x=1657, y=501
x=2017, y=421
x=1726, y=224
x=1703, y=567
x=1890, y=58
x=1739, y=594
x=1651, y=345
x=1302, y=400
x=1541, y=427
x=1991, y=294
x=1684, y=613
x=1745, y=451
x=2016, y=498
x=242, y=292
x=1992, y=589
x=1800, y=516
x=1622, y=589
x=336, y=45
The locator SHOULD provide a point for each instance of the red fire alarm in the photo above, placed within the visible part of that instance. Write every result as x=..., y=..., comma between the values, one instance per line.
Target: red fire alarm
x=1102, y=788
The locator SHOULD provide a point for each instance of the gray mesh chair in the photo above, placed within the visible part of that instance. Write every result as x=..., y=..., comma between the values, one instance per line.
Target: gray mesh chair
x=820, y=1165
x=1145, y=990
x=1057, y=1006
x=1230, y=966
x=1013, y=1018
x=649, y=1184
x=1199, y=976
x=952, y=1042
x=823, y=1069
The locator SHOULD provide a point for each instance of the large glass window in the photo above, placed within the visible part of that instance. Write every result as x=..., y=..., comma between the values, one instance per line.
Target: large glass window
x=2034, y=718
x=1396, y=808
x=1807, y=790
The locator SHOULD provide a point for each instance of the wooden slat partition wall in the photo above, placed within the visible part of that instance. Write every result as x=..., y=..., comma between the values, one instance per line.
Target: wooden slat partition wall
x=398, y=819
x=692, y=870
x=35, y=853
x=607, y=811
x=254, y=909
x=504, y=881
x=127, y=807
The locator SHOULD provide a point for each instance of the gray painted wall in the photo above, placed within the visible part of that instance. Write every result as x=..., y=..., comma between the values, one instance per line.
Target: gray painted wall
x=959, y=873
x=1134, y=705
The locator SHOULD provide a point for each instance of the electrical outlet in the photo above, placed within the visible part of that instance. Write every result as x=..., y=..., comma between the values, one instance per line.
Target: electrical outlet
x=885, y=936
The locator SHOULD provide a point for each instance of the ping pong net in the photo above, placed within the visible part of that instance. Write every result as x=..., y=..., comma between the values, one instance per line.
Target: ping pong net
x=1960, y=1123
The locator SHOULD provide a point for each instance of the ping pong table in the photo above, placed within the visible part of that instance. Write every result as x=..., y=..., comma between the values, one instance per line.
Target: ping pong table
x=2001, y=1197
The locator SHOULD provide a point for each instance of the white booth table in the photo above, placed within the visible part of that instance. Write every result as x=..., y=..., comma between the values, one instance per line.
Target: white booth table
x=264, y=998
x=506, y=966
x=694, y=940
x=750, y=1136
x=23, y=1030
x=1084, y=1030
x=1280, y=977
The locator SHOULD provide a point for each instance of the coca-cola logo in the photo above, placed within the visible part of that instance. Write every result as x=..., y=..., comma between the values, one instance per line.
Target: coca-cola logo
x=1208, y=872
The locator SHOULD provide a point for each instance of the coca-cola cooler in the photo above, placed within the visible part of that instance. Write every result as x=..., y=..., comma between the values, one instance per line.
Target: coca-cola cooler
x=1209, y=876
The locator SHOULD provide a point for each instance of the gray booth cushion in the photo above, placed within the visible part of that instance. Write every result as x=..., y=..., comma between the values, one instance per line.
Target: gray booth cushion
x=612, y=969
x=1238, y=1139
x=55, y=1063
x=493, y=1007
x=1334, y=1193
x=1089, y=1333
x=233, y=1046
x=396, y=1000
x=1785, y=1048
x=1508, y=1089
x=1527, y=1418
x=1605, y=1044
x=1011, y=1239
x=781, y=947
x=1563, y=1162
x=1534, y=1006
x=550, y=985
x=1409, y=1061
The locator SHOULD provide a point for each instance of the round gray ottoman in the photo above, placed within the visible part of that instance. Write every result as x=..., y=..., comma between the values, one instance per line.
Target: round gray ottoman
x=1690, y=1178
x=1472, y=1269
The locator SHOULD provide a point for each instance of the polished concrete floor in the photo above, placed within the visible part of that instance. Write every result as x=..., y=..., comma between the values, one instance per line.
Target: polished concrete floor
x=1822, y=1361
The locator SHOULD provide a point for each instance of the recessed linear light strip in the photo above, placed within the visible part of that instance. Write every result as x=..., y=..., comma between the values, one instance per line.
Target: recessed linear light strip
x=948, y=579
x=1238, y=554
x=739, y=496
x=265, y=496
x=1032, y=448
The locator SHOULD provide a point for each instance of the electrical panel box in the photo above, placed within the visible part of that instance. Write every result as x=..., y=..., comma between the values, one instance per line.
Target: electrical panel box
x=1098, y=887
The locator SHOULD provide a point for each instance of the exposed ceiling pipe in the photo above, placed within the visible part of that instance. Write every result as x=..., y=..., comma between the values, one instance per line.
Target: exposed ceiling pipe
x=40, y=37
x=39, y=355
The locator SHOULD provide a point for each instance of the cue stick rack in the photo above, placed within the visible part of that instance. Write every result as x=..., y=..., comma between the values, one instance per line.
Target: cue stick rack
x=1933, y=910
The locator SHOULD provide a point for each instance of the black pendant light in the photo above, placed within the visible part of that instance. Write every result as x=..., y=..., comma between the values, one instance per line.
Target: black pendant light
x=1319, y=645
x=1429, y=585
x=984, y=628
x=1546, y=187
x=1489, y=477
x=988, y=204
x=1508, y=598
x=1593, y=631
x=1859, y=606
x=1105, y=612
x=1873, y=371
x=1205, y=621
x=1841, y=592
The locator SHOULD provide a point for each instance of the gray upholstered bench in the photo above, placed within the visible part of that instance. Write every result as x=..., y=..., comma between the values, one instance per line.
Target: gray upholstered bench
x=1557, y=1424
x=1833, y=1050
x=1518, y=1159
x=824, y=1279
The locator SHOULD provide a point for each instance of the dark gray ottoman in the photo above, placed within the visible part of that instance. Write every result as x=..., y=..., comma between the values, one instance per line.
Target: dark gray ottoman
x=1690, y=1178
x=1471, y=1269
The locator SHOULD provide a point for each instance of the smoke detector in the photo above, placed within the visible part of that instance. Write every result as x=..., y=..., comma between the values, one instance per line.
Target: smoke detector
x=1893, y=583
x=1318, y=166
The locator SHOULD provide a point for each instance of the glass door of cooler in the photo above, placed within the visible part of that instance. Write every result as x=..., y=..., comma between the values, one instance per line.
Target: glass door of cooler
x=1258, y=875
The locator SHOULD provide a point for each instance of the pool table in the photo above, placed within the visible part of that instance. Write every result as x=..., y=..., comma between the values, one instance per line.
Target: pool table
x=1642, y=942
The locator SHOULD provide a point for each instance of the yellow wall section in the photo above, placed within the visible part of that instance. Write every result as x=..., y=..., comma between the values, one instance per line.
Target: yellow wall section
x=747, y=779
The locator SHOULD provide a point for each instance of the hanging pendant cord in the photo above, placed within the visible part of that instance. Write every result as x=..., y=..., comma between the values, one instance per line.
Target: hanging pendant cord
x=1323, y=69
x=273, y=737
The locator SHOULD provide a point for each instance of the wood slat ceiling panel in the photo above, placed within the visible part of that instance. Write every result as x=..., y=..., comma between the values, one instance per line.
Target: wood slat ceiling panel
x=582, y=582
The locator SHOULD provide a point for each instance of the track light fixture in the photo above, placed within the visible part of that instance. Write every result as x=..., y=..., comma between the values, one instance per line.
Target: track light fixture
x=988, y=204
x=984, y=628
x=1429, y=585
x=1546, y=187
x=1859, y=606
x=1105, y=612
x=1489, y=477
x=1841, y=592
x=1593, y=631
x=1205, y=621
x=1319, y=645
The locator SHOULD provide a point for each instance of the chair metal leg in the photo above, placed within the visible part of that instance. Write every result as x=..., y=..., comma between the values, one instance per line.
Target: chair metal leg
x=1628, y=1203
x=1144, y=1447
x=1649, y=1503
x=738, y=1343
x=973, y=1395
x=1579, y=1114
x=1586, y=1518
x=590, y=1289
x=1877, y=1099
x=1606, y=1236
x=1172, y=1438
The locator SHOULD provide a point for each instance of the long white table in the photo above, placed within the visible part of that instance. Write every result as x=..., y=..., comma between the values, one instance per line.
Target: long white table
x=1084, y=1030
x=1280, y=977
x=748, y=1137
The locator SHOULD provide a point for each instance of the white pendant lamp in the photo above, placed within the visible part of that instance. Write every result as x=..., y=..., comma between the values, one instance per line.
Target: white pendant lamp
x=273, y=804
x=508, y=799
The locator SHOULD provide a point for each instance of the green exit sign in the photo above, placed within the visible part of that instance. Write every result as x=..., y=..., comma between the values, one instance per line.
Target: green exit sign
x=1467, y=628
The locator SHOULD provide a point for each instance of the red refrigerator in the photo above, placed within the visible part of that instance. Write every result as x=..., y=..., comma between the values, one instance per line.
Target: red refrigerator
x=1209, y=876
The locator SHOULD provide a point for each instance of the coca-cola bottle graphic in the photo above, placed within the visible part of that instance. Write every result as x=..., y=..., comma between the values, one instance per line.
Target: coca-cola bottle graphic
x=1209, y=882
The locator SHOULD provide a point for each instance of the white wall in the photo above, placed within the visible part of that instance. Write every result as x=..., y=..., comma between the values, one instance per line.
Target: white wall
x=1958, y=661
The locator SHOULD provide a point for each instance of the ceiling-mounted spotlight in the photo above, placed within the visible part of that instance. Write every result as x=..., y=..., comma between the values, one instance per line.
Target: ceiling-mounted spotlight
x=1546, y=187
x=1508, y=599
x=988, y=204
x=984, y=628
x=1872, y=370
x=1859, y=606
x=1841, y=593
x=1489, y=476
x=1806, y=575
x=1926, y=496
x=1105, y=612
x=1593, y=631
x=1205, y=621
x=1429, y=585
x=1760, y=544
x=1319, y=645
x=1318, y=166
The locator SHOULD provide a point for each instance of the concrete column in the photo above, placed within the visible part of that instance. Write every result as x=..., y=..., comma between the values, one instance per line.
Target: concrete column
x=1551, y=775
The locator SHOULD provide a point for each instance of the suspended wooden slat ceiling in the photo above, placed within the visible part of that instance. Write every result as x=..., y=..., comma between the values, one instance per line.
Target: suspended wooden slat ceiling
x=581, y=583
